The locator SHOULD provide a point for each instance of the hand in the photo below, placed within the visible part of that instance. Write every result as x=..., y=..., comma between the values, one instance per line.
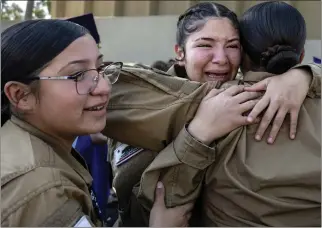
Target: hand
x=220, y=112
x=284, y=94
x=161, y=216
x=98, y=138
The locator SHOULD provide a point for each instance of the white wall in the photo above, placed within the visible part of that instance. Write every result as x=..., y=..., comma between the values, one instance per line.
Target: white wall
x=147, y=39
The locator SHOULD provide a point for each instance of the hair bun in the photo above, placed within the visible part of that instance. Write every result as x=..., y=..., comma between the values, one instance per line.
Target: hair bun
x=279, y=59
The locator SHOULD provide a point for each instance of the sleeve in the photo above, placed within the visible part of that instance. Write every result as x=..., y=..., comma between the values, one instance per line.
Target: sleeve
x=51, y=208
x=315, y=71
x=181, y=166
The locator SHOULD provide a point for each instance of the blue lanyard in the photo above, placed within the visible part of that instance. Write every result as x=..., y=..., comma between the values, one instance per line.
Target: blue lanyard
x=97, y=209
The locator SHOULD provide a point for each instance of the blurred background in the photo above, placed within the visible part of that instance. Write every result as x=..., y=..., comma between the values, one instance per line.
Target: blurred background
x=143, y=31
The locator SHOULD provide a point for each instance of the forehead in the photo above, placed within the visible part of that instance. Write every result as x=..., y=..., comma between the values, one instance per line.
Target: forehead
x=216, y=28
x=82, y=48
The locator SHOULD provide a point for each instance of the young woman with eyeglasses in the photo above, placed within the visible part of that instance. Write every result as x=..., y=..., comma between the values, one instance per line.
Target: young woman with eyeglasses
x=54, y=89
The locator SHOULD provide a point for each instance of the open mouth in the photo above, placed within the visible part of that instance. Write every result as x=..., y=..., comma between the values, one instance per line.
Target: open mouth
x=217, y=76
x=96, y=108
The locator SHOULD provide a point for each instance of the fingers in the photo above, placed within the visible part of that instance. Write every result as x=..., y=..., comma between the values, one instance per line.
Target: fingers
x=259, y=107
x=248, y=105
x=159, y=195
x=187, y=218
x=259, y=86
x=267, y=118
x=214, y=92
x=294, y=118
x=245, y=96
x=278, y=121
x=233, y=90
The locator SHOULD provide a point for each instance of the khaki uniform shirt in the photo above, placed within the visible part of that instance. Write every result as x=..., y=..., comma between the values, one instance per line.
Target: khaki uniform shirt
x=129, y=162
x=43, y=183
x=151, y=107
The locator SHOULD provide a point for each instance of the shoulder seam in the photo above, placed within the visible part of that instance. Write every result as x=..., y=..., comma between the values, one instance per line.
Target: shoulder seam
x=25, y=199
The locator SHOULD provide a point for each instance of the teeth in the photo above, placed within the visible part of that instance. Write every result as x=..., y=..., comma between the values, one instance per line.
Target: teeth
x=216, y=75
x=97, y=108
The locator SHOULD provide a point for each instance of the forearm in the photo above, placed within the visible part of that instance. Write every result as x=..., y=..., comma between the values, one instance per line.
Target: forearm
x=181, y=167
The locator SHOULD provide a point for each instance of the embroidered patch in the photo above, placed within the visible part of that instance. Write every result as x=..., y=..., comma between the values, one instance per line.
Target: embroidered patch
x=124, y=152
x=83, y=222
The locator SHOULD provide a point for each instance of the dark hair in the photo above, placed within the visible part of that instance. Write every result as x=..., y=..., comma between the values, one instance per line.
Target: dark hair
x=162, y=65
x=27, y=47
x=273, y=35
x=188, y=21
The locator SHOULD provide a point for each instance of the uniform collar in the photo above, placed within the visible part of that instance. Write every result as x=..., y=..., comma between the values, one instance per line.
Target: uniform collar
x=68, y=154
x=177, y=70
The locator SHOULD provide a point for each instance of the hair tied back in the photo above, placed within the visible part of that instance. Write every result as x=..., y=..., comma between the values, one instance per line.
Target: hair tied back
x=273, y=51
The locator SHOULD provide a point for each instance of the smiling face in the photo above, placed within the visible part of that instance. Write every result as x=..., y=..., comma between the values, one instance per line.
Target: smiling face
x=60, y=110
x=213, y=53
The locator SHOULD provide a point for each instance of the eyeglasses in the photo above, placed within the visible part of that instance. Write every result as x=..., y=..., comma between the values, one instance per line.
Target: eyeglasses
x=86, y=81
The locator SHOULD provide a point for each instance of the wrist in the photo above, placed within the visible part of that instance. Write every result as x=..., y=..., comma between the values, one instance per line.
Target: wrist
x=303, y=74
x=198, y=132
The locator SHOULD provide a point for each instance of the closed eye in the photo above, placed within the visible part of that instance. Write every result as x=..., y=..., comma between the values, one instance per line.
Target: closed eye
x=204, y=45
x=233, y=46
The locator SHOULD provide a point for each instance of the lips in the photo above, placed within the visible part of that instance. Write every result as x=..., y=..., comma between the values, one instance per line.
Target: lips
x=218, y=75
x=97, y=107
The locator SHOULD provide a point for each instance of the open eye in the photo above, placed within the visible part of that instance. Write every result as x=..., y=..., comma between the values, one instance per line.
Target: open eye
x=78, y=76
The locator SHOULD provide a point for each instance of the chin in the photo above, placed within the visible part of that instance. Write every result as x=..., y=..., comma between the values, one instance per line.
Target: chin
x=93, y=128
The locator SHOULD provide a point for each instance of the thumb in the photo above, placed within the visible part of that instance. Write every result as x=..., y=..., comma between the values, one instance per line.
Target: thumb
x=159, y=194
x=259, y=86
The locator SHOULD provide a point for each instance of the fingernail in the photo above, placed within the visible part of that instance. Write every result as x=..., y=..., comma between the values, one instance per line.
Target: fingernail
x=293, y=136
x=257, y=137
x=249, y=119
x=270, y=140
x=159, y=185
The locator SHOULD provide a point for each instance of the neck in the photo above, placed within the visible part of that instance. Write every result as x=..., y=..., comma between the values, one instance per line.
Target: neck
x=65, y=140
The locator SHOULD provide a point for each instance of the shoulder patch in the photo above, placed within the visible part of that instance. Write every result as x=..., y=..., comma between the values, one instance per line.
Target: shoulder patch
x=125, y=152
x=84, y=221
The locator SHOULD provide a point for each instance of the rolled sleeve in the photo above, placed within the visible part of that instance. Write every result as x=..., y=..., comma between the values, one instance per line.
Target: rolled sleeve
x=192, y=152
x=315, y=71
x=181, y=167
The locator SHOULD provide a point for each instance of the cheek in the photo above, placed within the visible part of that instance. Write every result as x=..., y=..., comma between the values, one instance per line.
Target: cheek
x=196, y=62
x=60, y=102
x=234, y=57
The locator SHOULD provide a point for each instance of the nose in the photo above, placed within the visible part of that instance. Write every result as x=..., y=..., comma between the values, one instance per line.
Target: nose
x=220, y=56
x=103, y=87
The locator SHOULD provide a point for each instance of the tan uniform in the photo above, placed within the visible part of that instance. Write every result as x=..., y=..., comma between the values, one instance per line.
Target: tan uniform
x=151, y=109
x=43, y=183
x=129, y=162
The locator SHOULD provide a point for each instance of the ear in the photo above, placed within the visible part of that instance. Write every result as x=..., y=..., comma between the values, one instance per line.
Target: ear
x=302, y=55
x=19, y=96
x=179, y=54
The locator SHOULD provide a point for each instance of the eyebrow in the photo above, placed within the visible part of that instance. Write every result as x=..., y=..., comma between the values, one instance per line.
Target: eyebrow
x=80, y=61
x=212, y=39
